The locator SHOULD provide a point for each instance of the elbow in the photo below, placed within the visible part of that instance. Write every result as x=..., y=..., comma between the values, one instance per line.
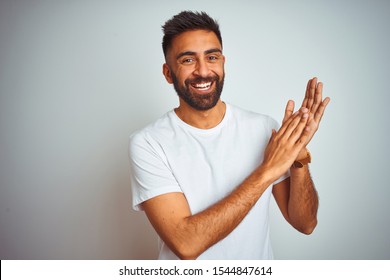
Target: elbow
x=185, y=249
x=303, y=225
x=185, y=252
x=308, y=228
x=187, y=257
x=185, y=244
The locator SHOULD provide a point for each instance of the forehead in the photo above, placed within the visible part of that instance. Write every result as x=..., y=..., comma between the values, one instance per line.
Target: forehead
x=196, y=41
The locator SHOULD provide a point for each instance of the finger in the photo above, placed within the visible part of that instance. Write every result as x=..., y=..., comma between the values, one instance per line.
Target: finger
x=303, y=138
x=317, y=98
x=286, y=123
x=301, y=125
x=289, y=110
x=273, y=133
x=311, y=126
x=321, y=109
x=297, y=122
x=311, y=93
x=304, y=102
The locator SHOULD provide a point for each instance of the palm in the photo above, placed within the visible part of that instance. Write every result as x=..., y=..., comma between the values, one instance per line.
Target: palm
x=314, y=103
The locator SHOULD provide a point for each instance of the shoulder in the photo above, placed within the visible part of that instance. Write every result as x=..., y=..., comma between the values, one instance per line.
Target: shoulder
x=161, y=126
x=250, y=118
x=153, y=135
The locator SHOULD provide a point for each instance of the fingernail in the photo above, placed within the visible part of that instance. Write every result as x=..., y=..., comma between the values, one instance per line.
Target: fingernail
x=304, y=110
x=305, y=116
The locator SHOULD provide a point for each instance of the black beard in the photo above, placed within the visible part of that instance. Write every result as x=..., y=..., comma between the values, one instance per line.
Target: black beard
x=199, y=102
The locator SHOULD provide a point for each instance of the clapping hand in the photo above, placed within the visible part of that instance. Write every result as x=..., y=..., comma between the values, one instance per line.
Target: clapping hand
x=314, y=103
x=290, y=141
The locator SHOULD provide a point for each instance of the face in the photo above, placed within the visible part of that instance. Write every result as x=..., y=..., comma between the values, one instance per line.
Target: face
x=195, y=66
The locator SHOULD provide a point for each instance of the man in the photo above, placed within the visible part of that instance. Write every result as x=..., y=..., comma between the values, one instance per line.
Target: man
x=204, y=172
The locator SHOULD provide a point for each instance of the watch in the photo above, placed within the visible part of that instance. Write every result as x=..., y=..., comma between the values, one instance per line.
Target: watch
x=302, y=162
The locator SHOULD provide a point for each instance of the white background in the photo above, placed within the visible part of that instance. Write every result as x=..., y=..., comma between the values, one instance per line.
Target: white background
x=77, y=77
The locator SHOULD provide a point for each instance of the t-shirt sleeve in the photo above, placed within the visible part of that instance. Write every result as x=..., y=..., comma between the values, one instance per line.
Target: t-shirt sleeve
x=273, y=124
x=150, y=174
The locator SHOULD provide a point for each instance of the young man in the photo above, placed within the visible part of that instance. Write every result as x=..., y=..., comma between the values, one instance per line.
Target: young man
x=204, y=172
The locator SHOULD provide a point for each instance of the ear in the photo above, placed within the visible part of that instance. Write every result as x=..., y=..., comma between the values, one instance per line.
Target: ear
x=167, y=73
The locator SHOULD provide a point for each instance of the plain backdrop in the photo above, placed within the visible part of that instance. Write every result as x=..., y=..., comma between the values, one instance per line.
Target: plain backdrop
x=78, y=77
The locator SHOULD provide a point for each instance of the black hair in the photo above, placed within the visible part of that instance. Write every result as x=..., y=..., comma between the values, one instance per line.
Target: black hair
x=187, y=21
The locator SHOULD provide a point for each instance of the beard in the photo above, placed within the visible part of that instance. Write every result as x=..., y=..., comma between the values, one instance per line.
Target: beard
x=198, y=101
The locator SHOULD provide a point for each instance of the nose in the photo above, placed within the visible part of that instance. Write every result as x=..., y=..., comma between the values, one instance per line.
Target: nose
x=202, y=69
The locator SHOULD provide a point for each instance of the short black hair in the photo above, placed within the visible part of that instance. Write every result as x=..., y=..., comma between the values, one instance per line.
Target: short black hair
x=187, y=21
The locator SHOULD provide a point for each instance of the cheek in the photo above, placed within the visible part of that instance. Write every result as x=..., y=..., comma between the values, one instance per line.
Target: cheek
x=218, y=67
x=183, y=74
x=219, y=71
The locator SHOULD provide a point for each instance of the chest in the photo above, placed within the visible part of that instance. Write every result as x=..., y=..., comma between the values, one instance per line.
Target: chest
x=208, y=167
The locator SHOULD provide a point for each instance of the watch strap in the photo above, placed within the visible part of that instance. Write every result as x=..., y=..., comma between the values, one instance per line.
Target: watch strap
x=302, y=162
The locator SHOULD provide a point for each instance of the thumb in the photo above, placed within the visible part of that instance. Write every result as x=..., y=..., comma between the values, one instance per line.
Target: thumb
x=289, y=110
x=272, y=135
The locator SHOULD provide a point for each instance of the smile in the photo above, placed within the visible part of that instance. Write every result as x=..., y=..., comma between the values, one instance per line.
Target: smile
x=202, y=86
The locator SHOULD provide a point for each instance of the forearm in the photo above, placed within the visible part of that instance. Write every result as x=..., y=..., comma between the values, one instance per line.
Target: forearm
x=220, y=219
x=303, y=202
x=188, y=235
x=200, y=231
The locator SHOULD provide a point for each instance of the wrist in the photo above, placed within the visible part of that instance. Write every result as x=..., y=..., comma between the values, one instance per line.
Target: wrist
x=302, y=154
x=303, y=159
x=267, y=174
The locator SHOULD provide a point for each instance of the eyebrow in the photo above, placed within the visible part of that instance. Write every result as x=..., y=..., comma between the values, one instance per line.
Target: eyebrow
x=193, y=53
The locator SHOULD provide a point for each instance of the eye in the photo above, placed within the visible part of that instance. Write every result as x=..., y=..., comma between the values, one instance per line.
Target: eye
x=213, y=57
x=188, y=60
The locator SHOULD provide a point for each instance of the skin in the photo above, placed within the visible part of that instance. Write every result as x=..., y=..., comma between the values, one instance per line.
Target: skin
x=202, y=63
x=189, y=235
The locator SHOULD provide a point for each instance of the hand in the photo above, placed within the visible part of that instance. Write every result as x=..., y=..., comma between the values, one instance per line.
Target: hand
x=316, y=106
x=285, y=144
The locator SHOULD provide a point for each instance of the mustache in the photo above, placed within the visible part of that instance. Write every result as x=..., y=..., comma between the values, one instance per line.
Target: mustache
x=200, y=80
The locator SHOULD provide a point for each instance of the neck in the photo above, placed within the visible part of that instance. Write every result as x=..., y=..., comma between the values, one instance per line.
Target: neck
x=201, y=119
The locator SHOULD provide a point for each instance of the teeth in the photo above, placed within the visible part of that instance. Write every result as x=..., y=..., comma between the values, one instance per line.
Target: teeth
x=203, y=86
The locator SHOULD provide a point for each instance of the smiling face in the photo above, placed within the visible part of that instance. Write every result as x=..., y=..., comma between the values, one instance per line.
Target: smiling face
x=195, y=66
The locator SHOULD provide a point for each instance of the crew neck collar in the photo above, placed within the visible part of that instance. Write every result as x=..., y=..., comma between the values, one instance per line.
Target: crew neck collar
x=200, y=130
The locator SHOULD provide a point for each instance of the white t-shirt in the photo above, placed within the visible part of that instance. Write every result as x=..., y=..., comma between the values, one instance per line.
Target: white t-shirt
x=206, y=165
